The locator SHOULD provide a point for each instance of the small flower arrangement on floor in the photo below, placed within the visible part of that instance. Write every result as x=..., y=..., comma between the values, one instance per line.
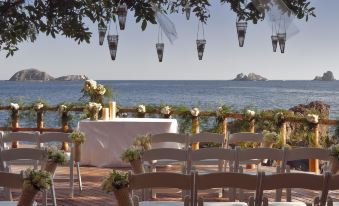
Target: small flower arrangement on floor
x=116, y=180
x=55, y=155
x=37, y=179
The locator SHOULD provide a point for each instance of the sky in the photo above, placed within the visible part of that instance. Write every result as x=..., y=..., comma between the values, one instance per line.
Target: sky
x=313, y=51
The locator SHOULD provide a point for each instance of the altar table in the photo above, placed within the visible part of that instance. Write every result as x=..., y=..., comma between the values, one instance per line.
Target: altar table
x=106, y=140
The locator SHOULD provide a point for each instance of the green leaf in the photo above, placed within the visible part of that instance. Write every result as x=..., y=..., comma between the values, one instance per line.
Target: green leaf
x=144, y=25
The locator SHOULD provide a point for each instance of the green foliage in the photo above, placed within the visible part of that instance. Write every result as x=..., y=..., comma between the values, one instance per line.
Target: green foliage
x=114, y=181
x=78, y=137
x=37, y=179
x=130, y=154
x=334, y=151
x=56, y=155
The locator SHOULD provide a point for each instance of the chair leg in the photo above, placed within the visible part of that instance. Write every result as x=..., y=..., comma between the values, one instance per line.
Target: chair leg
x=79, y=176
x=44, y=198
x=71, y=183
x=241, y=191
x=53, y=193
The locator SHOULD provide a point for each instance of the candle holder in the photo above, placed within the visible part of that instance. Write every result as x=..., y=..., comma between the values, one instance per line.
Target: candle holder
x=113, y=45
x=274, y=39
x=201, y=47
x=282, y=41
x=122, y=14
x=187, y=10
x=241, y=30
x=102, y=33
x=160, y=50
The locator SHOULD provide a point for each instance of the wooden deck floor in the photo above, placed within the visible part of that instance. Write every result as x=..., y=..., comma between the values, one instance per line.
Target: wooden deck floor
x=93, y=195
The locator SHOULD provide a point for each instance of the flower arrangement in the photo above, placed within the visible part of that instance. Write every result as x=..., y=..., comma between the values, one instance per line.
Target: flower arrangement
x=62, y=108
x=131, y=154
x=141, y=108
x=334, y=151
x=90, y=85
x=38, y=106
x=250, y=113
x=95, y=92
x=14, y=106
x=92, y=110
x=195, y=112
x=143, y=141
x=116, y=180
x=166, y=111
x=312, y=118
x=270, y=137
x=37, y=179
x=279, y=118
x=78, y=137
x=55, y=155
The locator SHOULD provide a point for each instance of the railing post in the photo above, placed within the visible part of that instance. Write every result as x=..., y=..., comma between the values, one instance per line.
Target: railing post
x=15, y=125
x=64, y=125
x=224, y=130
x=283, y=132
x=314, y=163
x=195, y=130
x=40, y=119
x=252, y=126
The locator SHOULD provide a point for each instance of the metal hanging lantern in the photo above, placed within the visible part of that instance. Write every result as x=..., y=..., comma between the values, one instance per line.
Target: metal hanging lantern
x=113, y=45
x=122, y=14
x=282, y=41
x=201, y=47
x=274, y=39
x=102, y=33
x=187, y=10
x=241, y=30
x=160, y=50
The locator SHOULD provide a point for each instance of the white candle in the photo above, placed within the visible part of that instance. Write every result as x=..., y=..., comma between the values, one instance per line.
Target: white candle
x=114, y=108
x=105, y=113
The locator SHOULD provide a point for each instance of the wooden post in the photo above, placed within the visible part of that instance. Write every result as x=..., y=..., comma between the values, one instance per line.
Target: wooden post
x=283, y=132
x=252, y=126
x=15, y=125
x=40, y=119
x=195, y=130
x=224, y=130
x=314, y=163
x=64, y=125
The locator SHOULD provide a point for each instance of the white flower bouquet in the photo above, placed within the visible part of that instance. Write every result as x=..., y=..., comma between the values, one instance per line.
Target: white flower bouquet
x=195, y=112
x=14, y=106
x=62, y=108
x=92, y=109
x=312, y=118
x=38, y=106
x=141, y=108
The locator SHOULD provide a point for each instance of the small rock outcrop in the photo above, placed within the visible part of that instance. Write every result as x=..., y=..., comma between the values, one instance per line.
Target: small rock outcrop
x=31, y=75
x=249, y=77
x=72, y=78
x=327, y=76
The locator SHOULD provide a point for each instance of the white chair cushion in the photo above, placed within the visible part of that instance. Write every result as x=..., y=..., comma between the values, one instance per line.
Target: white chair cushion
x=286, y=204
x=225, y=204
x=12, y=203
x=161, y=203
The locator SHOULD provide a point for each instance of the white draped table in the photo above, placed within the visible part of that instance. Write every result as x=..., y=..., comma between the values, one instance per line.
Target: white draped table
x=106, y=140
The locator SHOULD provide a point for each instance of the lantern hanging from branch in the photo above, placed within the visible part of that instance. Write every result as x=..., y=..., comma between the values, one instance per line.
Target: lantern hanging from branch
x=160, y=50
x=122, y=14
x=282, y=41
x=241, y=30
x=113, y=45
x=102, y=33
x=201, y=47
x=274, y=39
x=187, y=10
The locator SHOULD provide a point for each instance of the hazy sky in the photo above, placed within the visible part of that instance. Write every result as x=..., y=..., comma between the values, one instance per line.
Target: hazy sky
x=311, y=52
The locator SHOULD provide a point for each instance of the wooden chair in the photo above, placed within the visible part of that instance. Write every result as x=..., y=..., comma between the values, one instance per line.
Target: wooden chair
x=26, y=137
x=300, y=154
x=162, y=180
x=11, y=181
x=333, y=185
x=169, y=140
x=8, y=156
x=219, y=157
x=59, y=137
x=233, y=180
x=295, y=180
x=236, y=138
x=207, y=137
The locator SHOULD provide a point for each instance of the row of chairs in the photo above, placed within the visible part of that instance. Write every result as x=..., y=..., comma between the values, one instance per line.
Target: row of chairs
x=37, y=155
x=261, y=182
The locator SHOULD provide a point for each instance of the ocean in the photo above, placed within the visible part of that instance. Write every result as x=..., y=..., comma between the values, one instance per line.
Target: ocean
x=204, y=94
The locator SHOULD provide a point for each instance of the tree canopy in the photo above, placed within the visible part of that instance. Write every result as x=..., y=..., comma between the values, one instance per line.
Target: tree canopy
x=22, y=20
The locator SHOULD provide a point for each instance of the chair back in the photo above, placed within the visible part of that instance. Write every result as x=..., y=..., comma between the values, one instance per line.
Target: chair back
x=55, y=137
x=227, y=179
x=11, y=180
x=237, y=138
x=207, y=137
x=213, y=153
x=259, y=153
x=165, y=154
x=298, y=180
x=170, y=138
x=7, y=156
x=334, y=182
x=307, y=153
x=19, y=136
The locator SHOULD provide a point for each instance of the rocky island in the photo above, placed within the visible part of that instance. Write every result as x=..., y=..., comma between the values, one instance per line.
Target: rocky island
x=37, y=75
x=249, y=77
x=327, y=76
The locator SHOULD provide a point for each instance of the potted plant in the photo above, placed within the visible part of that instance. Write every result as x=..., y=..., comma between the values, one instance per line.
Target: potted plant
x=55, y=157
x=270, y=138
x=133, y=156
x=78, y=139
x=34, y=181
x=117, y=182
x=334, y=159
x=143, y=141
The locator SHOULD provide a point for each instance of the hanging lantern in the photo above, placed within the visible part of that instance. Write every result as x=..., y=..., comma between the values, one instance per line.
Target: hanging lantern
x=102, y=33
x=241, y=30
x=274, y=42
x=282, y=41
x=201, y=47
x=160, y=50
x=113, y=45
x=122, y=14
x=188, y=11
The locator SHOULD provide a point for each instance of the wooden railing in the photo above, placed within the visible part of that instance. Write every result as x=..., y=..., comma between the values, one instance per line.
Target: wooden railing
x=195, y=123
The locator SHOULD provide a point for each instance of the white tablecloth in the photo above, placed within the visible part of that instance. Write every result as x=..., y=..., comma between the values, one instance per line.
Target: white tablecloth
x=106, y=140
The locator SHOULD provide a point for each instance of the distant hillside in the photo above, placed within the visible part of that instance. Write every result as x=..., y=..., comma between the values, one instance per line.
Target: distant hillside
x=249, y=77
x=37, y=75
x=327, y=76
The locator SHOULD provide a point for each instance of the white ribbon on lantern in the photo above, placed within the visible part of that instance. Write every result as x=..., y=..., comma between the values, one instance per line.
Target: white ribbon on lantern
x=165, y=24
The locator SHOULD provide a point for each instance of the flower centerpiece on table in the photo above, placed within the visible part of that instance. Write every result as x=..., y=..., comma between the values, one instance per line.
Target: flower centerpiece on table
x=166, y=111
x=141, y=109
x=92, y=110
x=270, y=138
x=55, y=157
x=95, y=92
x=334, y=159
x=143, y=141
x=195, y=112
x=117, y=182
x=132, y=155
x=34, y=181
x=78, y=139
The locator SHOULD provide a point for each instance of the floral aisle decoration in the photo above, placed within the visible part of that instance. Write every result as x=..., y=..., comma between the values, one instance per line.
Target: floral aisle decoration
x=92, y=110
x=334, y=159
x=78, y=138
x=195, y=112
x=34, y=181
x=270, y=138
x=166, y=111
x=249, y=114
x=55, y=157
x=279, y=119
x=15, y=114
x=132, y=155
x=117, y=182
x=141, y=109
x=312, y=121
x=143, y=141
